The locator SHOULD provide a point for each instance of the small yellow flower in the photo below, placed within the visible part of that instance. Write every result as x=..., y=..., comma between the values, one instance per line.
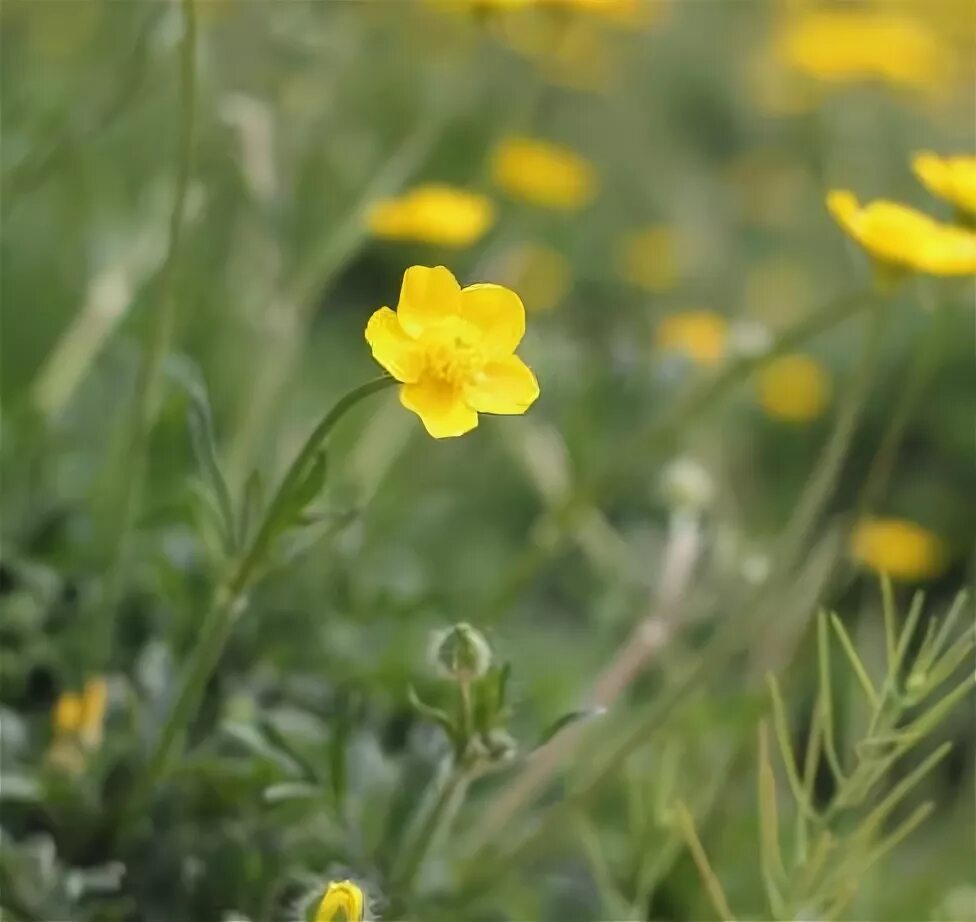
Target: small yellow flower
x=951, y=178
x=433, y=213
x=902, y=238
x=78, y=720
x=844, y=46
x=82, y=715
x=452, y=349
x=647, y=259
x=701, y=335
x=542, y=274
x=794, y=388
x=543, y=174
x=900, y=548
x=343, y=902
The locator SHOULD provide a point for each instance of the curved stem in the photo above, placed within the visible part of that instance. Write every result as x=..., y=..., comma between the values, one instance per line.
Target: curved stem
x=230, y=601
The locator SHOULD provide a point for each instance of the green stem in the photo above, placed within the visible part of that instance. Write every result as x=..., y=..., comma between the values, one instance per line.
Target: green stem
x=818, y=489
x=919, y=374
x=158, y=339
x=432, y=825
x=230, y=601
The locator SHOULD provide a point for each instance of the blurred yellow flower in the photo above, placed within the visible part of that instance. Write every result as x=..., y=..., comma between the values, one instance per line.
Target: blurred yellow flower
x=452, y=349
x=78, y=720
x=900, y=548
x=951, y=178
x=841, y=46
x=901, y=237
x=542, y=274
x=343, y=902
x=433, y=213
x=543, y=174
x=794, y=388
x=700, y=335
x=647, y=259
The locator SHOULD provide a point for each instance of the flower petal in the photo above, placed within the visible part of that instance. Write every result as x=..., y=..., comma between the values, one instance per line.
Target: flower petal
x=441, y=408
x=428, y=295
x=498, y=314
x=400, y=355
x=505, y=386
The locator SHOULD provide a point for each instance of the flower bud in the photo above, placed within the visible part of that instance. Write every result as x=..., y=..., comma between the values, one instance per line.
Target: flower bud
x=687, y=486
x=341, y=900
x=461, y=653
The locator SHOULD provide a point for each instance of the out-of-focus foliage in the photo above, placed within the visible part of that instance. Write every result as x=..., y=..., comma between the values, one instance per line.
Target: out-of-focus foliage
x=747, y=410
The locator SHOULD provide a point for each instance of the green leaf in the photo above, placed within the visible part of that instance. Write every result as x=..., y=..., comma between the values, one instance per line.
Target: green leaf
x=571, y=718
x=432, y=713
x=251, y=738
x=291, y=790
x=252, y=505
x=278, y=739
x=203, y=442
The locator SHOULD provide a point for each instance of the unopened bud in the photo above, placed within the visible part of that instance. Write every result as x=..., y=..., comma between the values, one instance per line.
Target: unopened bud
x=461, y=653
x=687, y=486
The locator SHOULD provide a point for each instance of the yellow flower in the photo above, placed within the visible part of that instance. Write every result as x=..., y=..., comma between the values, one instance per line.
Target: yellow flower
x=647, y=259
x=843, y=46
x=900, y=548
x=901, y=237
x=433, y=213
x=82, y=715
x=951, y=178
x=343, y=902
x=453, y=350
x=78, y=720
x=701, y=335
x=794, y=388
x=543, y=174
x=542, y=274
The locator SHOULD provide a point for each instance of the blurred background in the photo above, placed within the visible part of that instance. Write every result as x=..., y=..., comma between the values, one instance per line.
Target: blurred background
x=729, y=438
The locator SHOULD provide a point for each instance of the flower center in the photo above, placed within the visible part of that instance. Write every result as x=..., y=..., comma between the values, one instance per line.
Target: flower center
x=451, y=357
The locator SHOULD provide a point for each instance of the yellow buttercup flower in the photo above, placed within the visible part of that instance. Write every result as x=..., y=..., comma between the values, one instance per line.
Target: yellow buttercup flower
x=452, y=349
x=700, y=335
x=433, y=213
x=647, y=259
x=78, y=720
x=343, y=902
x=951, y=178
x=794, y=388
x=543, y=174
x=900, y=548
x=844, y=46
x=903, y=238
